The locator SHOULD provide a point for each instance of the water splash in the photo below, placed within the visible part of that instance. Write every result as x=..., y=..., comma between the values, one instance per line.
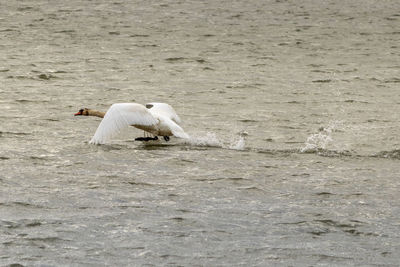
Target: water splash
x=211, y=140
x=392, y=154
x=321, y=140
x=240, y=143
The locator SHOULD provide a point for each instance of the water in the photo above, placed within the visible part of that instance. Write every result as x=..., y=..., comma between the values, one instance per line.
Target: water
x=293, y=111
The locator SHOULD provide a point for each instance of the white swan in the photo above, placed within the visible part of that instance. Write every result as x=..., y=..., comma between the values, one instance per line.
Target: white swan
x=159, y=119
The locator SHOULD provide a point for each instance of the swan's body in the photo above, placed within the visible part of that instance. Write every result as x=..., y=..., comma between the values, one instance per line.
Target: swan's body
x=159, y=119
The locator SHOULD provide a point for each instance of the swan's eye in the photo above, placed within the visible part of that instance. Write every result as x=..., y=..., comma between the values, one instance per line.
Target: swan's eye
x=81, y=111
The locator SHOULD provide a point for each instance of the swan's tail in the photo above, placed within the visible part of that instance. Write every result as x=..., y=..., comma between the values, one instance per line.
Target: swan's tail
x=180, y=133
x=176, y=130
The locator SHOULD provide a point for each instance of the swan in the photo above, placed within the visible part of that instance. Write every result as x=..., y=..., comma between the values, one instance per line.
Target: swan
x=159, y=119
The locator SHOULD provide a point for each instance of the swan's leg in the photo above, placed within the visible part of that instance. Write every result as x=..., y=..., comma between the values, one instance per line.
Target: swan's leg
x=166, y=138
x=141, y=138
x=146, y=138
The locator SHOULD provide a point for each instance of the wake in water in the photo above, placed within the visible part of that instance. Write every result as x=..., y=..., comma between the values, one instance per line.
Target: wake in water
x=391, y=154
x=321, y=143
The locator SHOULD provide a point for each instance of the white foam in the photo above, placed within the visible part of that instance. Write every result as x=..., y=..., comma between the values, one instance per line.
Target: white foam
x=316, y=142
x=211, y=140
x=239, y=144
x=320, y=140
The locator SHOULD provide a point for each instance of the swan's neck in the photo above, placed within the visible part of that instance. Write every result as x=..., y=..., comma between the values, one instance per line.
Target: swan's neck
x=96, y=113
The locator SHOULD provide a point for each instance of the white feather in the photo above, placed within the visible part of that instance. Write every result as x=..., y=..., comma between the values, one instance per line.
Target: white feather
x=164, y=109
x=120, y=116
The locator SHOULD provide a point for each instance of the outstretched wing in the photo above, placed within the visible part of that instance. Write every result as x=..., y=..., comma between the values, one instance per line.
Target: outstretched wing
x=164, y=110
x=120, y=116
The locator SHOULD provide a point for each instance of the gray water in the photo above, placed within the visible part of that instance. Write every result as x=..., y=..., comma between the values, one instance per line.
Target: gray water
x=314, y=84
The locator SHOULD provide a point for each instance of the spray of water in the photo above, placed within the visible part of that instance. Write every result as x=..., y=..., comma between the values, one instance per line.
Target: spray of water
x=321, y=140
x=239, y=142
x=208, y=140
x=211, y=140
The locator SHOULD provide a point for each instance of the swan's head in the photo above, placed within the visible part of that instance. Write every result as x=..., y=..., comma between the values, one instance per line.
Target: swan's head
x=82, y=112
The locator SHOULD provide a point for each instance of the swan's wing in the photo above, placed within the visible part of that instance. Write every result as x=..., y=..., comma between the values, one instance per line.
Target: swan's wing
x=120, y=116
x=175, y=129
x=164, y=110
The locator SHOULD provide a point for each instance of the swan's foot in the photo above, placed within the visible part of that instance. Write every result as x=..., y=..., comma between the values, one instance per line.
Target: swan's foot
x=166, y=138
x=146, y=138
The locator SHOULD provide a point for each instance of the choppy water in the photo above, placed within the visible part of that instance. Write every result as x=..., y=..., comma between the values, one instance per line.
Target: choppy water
x=313, y=83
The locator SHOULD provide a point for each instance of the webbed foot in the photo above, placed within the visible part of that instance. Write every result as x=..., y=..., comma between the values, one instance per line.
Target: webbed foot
x=146, y=138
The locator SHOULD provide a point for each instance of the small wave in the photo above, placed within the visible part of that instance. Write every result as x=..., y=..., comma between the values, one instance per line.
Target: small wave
x=392, y=154
x=174, y=59
x=319, y=152
x=328, y=152
x=46, y=239
x=31, y=101
x=21, y=204
x=20, y=224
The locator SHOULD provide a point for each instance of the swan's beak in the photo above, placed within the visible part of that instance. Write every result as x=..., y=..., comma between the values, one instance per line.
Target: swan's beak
x=78, y=113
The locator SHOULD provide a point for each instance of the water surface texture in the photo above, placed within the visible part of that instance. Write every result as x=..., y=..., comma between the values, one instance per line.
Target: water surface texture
x=314, y=84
